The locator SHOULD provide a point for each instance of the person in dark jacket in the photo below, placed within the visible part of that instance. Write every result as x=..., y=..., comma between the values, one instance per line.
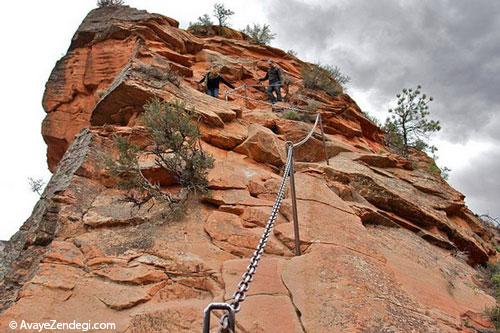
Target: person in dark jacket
x=275, y=78
x=212, y=81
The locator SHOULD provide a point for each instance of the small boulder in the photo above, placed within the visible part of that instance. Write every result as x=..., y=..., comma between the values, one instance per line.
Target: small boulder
x=263, y=145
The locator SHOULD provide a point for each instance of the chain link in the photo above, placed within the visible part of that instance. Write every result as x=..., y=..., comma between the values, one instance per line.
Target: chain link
x=224, y=325
x=247, y=277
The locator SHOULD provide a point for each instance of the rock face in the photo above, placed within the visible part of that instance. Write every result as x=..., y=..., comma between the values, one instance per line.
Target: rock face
x=387, y=245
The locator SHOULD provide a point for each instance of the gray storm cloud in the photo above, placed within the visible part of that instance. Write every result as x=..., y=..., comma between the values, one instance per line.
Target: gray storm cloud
x=451, y=48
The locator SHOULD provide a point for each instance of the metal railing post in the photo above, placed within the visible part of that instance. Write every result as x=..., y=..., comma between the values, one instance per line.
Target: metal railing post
x=294, y=201
x=323, y=138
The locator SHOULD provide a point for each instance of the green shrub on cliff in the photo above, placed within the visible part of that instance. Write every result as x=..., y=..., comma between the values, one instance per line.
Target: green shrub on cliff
x=324, y=77
x=204, y=20
x=259, y=34
x=491, y=276
x=177, y=150
x=494, y=314
x=201, y=25
x=109, y=3
x=291, y=115
x=307, y=114
x=177, y=146
x=204, y=25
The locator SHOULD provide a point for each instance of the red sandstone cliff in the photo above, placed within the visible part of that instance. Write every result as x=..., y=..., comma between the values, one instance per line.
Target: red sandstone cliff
x=380, y=234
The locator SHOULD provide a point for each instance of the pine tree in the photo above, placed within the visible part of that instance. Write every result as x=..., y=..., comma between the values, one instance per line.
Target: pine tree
x=408, y=124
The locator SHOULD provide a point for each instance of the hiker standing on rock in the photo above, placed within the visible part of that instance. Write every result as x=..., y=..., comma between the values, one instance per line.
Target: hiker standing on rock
x=212, y=81
x=275, y=81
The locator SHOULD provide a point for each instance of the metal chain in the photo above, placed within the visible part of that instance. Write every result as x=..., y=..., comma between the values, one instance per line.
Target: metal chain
x=231, y=91
x=247, y=277
x=311, y=132
x=224, y=325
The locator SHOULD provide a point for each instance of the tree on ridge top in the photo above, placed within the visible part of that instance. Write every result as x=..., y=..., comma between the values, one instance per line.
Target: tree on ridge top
x=222, y=14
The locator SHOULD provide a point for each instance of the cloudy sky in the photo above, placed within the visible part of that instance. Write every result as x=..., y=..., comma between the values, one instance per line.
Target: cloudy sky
x=450, y=47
